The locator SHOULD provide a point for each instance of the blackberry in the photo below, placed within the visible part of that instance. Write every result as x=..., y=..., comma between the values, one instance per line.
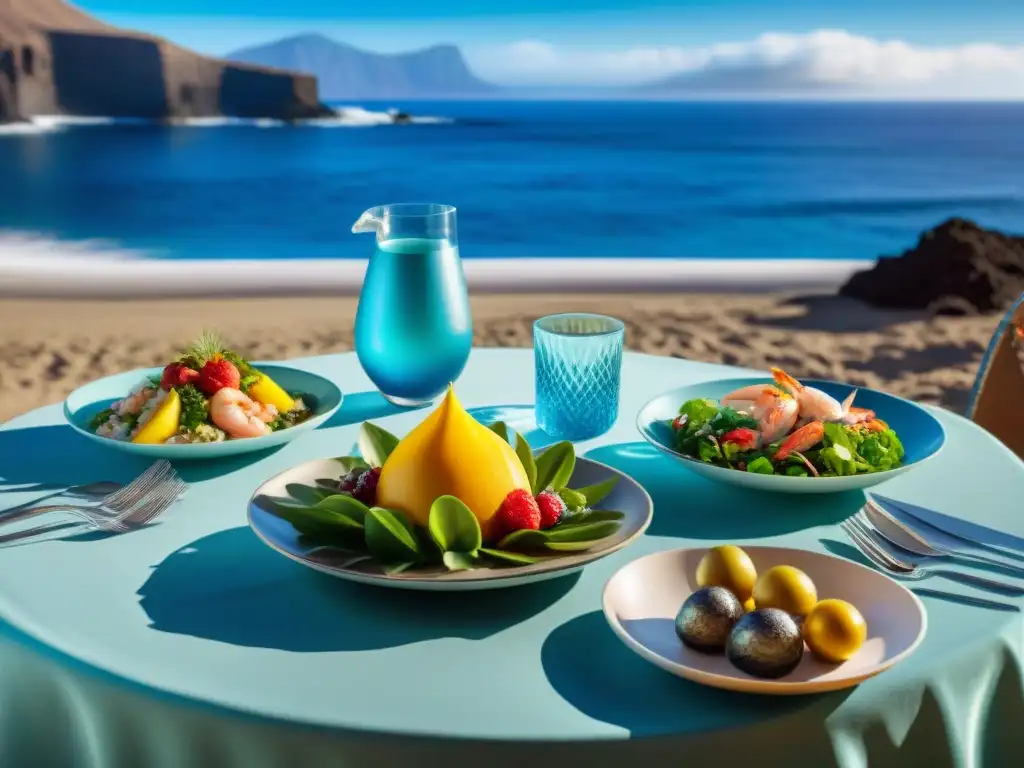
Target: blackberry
x=348, y=483
x=366, y=487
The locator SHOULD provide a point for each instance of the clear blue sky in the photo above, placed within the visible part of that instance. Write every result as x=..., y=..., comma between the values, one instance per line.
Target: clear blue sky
x=576, y=32
x=600, y=22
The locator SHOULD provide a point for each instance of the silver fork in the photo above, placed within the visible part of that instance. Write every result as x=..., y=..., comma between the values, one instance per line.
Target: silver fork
x=874, y=548
x=156, y=503
x=117, y=503
x=153, y=505
x=114, y=496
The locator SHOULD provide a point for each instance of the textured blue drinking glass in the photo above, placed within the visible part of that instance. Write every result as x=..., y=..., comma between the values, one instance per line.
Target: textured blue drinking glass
x=413, y=329
x=578, y=363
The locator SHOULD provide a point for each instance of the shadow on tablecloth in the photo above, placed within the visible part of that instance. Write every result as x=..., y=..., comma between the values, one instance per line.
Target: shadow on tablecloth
x=232, y=588
x=690, y=506
x=599, y=676
x=55, y=456
x=357, y=407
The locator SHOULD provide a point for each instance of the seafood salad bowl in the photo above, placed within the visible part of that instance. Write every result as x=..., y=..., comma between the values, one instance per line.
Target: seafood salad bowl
x=777, y=433
x=209, y=402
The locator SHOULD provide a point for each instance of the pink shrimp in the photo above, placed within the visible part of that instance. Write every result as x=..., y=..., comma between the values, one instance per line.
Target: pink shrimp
x=774, y=410
x=743, y=399
x=857, y=416
x=238, y=415
x=135, y=402
x=814, y=404
x=776, y=413
x=806, y=437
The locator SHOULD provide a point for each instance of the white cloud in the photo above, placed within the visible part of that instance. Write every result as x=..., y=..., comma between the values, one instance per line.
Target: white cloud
x=821, y=62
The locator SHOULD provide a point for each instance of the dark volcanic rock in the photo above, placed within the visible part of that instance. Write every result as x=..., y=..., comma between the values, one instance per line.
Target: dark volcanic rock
x=956, y=268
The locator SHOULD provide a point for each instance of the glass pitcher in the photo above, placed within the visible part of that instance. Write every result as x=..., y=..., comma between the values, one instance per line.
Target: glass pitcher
x=413, y=329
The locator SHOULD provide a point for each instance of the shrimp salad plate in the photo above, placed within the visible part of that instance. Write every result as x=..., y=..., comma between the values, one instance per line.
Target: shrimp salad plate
x=780, y=434
x=208, y=402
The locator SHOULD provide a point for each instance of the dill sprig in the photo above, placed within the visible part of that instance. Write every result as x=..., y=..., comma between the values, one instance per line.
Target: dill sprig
x=209, y=346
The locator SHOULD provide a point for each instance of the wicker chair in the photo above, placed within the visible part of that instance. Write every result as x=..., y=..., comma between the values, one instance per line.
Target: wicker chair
x=997, y=401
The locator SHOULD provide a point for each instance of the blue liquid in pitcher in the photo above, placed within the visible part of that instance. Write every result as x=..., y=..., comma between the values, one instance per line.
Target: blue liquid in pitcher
x=413, y=329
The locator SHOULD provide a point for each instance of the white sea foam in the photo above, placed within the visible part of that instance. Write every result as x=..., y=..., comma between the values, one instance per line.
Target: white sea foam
x=53, y=123
x=33, y=265
x=24, y=129
x=63, y=121
x=428, y=120
x=345, y=117
x=358, y=117
x=220, y=122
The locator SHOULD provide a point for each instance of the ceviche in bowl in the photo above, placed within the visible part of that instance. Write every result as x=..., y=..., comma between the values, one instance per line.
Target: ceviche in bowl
x=209, y=400
x=780, y=433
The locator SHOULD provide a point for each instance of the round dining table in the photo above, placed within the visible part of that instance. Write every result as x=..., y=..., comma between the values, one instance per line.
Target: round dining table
x=189, y=642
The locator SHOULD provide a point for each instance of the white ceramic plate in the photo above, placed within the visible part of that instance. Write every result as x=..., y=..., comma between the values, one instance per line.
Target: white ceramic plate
x=642, y=599
x=628, y=497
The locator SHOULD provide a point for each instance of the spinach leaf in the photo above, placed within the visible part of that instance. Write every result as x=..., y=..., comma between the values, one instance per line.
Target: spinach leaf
x=839, y=459
x=698, y=413
x=727, y=419
x=708, y=449
x=761, y=466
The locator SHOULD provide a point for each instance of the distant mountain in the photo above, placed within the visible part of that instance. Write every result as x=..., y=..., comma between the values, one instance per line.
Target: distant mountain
x=345, y=72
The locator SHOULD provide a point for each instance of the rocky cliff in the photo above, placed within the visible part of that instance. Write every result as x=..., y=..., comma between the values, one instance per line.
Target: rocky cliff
x=55, y=59
x=956, y=268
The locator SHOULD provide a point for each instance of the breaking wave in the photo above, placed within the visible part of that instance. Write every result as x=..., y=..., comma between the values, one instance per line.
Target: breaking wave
x=345, y=117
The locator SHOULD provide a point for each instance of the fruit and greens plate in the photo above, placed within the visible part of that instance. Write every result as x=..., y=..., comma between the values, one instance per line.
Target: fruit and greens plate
x=455, y=505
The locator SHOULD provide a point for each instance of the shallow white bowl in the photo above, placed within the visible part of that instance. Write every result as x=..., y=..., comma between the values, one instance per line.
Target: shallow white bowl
x=641, y=601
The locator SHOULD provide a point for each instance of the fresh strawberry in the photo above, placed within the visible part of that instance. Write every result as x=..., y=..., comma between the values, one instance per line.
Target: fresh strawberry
x=518, y=511
x=177, y=375
x=366, y=487
x=552, y=507
x=216, y=375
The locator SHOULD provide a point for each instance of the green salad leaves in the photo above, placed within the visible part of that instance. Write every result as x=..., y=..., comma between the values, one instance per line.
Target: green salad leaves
x=386, y=539
x=842, y=451
x=193, y=407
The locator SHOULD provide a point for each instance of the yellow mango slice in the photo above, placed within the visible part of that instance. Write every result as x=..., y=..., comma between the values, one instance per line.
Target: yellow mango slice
x=164, y=424
x=267, y=391
x=450, y=453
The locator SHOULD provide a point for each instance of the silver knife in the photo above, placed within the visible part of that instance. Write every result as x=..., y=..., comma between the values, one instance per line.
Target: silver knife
x=941, y=540
x=956, y=539
x=898, y=536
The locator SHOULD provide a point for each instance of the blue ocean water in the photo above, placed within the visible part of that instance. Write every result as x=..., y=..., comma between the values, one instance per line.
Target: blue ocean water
x=612, y=179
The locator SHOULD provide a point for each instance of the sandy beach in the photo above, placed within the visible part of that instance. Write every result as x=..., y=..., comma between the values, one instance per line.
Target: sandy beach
x=50, y=346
